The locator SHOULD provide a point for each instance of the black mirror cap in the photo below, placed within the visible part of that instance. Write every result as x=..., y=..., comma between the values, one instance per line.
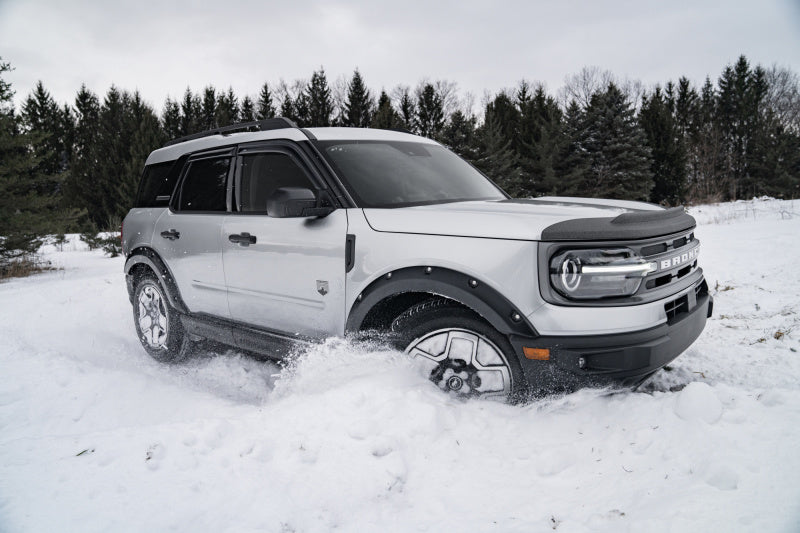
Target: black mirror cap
x=295, y=202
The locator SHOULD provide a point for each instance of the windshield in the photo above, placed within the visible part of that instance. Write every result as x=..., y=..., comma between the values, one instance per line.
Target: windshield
x=398, y=174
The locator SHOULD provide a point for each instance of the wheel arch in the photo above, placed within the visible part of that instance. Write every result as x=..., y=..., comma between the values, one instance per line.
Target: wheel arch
x=143, y=259
x=392, y=293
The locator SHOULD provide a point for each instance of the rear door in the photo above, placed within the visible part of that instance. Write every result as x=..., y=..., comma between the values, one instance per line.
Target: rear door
x=188, y=235
x=285, y=275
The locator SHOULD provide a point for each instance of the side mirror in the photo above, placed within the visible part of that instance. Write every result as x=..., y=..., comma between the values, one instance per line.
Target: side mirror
x=295, y=202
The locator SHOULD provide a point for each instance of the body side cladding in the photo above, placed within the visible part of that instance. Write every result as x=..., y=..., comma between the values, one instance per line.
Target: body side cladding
x=433, y=281
x=144, y=255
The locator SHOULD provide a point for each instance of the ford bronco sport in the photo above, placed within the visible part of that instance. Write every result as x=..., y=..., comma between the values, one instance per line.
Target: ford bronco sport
x=259, y=239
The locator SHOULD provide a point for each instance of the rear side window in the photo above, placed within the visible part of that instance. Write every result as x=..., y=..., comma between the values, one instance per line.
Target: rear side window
x=205, y=185
x=157, y=185
x=265, y=172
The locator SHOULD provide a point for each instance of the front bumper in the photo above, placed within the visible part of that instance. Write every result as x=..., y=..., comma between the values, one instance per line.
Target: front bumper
x=624, y=359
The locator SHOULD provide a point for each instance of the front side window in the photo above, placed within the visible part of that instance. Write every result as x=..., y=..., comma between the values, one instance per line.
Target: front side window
x=205, y=185
x=397, y=174
x=262, y=173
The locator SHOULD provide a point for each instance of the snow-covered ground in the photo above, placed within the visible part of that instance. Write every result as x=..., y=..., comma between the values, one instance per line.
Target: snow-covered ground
x=96, y=436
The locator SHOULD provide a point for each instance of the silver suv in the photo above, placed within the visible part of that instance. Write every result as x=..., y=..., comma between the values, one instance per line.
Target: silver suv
x=283, y=235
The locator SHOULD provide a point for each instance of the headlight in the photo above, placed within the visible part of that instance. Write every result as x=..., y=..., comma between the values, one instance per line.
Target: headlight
x=594, y=274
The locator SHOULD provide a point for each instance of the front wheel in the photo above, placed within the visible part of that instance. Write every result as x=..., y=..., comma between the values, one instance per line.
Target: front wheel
x=158, y=325
x=465, y=355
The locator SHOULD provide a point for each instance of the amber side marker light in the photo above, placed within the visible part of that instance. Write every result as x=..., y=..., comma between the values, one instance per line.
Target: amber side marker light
x=538, y=354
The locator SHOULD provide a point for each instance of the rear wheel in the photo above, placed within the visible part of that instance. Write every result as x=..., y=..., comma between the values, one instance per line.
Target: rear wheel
x=157, y=324
x=466, y=356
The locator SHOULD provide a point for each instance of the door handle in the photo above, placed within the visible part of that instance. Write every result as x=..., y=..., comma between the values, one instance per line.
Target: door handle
x=171, y=234
x=242, y=239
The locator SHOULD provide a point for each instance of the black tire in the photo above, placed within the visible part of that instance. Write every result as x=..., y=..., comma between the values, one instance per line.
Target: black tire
x=432, y=322
x=166, y=340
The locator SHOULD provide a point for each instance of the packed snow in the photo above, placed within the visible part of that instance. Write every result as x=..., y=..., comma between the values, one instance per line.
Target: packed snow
x=96, y=436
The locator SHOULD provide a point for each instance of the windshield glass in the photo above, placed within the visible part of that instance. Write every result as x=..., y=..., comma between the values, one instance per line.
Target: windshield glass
x=397, y=174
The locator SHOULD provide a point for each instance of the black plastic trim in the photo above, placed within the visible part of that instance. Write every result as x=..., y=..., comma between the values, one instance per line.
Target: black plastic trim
x=272, y=343
x=349, y=252
x=149, y=257
x=637, y=225
x=624, y=359
x=480, y=297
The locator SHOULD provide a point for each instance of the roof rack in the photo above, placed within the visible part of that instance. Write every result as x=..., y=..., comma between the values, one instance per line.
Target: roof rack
x=258, y=125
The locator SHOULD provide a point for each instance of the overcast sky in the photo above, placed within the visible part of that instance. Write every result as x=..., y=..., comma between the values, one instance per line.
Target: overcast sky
x=161, y=47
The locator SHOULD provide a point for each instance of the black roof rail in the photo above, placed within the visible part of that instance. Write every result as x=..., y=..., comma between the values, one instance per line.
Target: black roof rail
x=258, y=125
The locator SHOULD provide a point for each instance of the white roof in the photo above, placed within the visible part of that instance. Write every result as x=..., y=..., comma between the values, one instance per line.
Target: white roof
x=170, y=153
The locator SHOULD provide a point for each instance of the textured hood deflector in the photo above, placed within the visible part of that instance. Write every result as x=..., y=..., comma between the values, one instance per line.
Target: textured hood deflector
x=627, y=226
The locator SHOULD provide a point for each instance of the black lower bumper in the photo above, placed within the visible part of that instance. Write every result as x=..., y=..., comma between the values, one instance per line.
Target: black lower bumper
x=624, y=359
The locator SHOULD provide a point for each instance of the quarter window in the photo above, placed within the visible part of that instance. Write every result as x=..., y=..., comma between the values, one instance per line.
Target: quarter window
x=156, y=186
x=205, y=185
x=263, y=173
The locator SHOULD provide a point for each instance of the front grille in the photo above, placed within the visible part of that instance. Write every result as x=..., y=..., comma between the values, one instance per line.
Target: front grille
x=667, y=251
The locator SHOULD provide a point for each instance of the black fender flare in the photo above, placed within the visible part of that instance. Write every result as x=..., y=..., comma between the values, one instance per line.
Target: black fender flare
x=144, y=255
x=468, y=290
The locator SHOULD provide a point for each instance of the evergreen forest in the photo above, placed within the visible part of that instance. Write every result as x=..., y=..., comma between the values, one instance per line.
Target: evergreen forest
x=75, y=166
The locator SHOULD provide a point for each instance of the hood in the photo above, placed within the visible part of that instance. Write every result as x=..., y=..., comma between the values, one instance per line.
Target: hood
x=498, y=219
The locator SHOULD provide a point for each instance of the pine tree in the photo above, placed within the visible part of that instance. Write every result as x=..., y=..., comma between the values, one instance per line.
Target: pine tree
x=227, y=111
x=171, y=119
x=247, y=112
x=191, y=114
x=573, y=162
x=495, y=157
x=615, y=144
x=742, y=93
x=319, y=101
x=85, y=150
x=666, y=145
x=208, y=113
x=385, y=116
x=358, y=106
x=430, y=113
x=540, y=142
x=408, y=112
x=507, y=115
x=111, y=155
x=25, y=213
x=42, y=119
x=301, y=110
x=265, y=108
x=459, y=135
x=288, y=108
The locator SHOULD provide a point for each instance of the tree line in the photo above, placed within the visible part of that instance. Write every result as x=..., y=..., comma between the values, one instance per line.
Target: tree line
x=76, y=166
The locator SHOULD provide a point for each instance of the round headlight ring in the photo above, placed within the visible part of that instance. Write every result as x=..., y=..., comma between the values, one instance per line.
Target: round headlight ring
x=571, y=273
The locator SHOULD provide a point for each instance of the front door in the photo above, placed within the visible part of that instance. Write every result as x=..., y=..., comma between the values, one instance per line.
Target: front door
x=285, y=275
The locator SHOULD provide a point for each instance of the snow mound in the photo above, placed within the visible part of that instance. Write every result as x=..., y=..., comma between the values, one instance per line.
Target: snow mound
x=697, y=401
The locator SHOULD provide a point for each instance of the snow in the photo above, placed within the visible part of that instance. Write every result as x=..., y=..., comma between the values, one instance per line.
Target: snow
x=96, y=436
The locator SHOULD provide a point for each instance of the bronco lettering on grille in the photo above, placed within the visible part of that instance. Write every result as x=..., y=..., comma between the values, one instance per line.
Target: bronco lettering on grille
x=685, y=257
